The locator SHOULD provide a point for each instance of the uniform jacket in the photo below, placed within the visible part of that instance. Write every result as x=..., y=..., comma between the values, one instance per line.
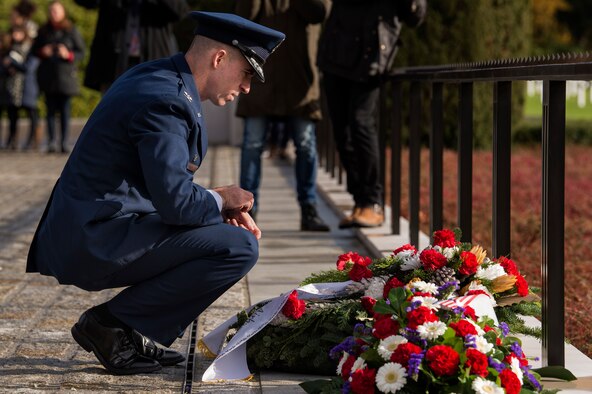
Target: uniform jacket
x=361, y=37
x=292, y=80
x=55, y=74
x=156, y=35
x=129, y=180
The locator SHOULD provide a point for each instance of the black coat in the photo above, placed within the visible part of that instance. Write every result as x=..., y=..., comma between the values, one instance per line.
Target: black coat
x=361, y=37
x=55, y=74
x=156, y=35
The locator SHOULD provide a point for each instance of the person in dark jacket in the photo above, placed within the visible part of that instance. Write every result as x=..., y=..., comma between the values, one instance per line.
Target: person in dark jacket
x=129, y=32
x=126, y=212
x=357, y=47
x=292, y=94
x=59, y=46
x=21, y=84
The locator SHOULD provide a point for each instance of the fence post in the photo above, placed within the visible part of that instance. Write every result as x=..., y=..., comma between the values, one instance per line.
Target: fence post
x=465, y=161
x=436, y=152
x=502, y=111
x=553, y=196
x=396, y=157
x=414, y=161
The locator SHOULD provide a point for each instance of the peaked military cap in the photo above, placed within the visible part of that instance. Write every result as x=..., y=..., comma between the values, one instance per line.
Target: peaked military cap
x=256, y=42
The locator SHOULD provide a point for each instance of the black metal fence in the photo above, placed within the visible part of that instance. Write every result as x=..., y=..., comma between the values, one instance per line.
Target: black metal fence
x=553, y=71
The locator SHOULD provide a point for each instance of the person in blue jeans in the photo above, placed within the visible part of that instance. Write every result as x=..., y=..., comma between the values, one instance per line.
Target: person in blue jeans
x=292, y=95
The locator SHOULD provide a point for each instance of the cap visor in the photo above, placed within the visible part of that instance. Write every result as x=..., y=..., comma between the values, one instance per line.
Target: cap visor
x=256, y=67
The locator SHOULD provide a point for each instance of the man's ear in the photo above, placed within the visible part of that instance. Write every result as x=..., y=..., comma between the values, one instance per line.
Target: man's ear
x=220, y=56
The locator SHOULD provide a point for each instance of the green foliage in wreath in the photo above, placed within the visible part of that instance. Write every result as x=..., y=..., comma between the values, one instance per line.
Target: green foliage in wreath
x=303, y=345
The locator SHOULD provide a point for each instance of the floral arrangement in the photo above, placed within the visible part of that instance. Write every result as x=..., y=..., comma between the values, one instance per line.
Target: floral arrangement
x=300, y=338
x=413, y=345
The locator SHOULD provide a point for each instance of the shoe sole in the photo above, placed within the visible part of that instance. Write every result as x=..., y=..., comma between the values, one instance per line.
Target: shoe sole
x=87, y=345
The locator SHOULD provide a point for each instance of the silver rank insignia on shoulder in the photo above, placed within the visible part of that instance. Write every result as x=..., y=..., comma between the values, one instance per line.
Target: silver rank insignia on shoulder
x=188, y=96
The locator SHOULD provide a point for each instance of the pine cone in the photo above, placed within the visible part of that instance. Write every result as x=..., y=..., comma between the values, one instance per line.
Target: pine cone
x=443, y=275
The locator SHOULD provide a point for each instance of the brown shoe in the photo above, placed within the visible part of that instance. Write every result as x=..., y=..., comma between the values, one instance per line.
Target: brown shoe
x=348, y=221
x=369, y=216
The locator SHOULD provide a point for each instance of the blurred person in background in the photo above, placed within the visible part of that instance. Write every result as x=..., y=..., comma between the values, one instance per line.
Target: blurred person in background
x=59, y=47
x=21, y=15
x=291, y=93
x=357, y=47
x=20, y=69
x=129, y=32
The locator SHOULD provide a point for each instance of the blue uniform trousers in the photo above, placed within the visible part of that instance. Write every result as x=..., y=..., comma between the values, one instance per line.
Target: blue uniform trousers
x=173, y=283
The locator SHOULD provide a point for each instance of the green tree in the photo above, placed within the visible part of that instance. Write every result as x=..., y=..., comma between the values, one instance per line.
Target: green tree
x=460, y=31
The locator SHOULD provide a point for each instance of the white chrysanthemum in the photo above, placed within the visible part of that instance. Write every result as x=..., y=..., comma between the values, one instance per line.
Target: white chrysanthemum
x=342, y=361
x=484, y=386
x=428, y=302
x=483, y=345
x=391, y=377
x=431, y=330
x=450, y=252
x=515, y=366
x=491, y=272
x=409, y=260
x=375, y=288
x=360, y=363
x=388, y=345
x=426, y=287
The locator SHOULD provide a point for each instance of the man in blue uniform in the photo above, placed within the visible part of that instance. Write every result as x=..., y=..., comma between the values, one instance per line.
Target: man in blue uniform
x=125, y=210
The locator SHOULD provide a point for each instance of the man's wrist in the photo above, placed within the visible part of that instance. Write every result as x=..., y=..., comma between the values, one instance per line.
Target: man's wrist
x=218, y=198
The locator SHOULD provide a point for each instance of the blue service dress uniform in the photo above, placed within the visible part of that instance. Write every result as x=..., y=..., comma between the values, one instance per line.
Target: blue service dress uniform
x=126, y=212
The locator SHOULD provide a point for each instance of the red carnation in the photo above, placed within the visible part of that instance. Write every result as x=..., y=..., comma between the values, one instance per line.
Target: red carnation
x=470, y=312
x=368, y=304
x=510, y=381
x=477, y=362
x=420, y=315
x=391, y=284
x=469, y=263
x=403, y=353
x=508, y=265
x=362, y=381
x=358, y=272
x=432, y=259
x=347, y=366
x=404, y=248
x=443, y=360
x=521, y=286
x=463, y=328
x=294, y=307
x=445, y=238
x=385, y=328
x=346, y=260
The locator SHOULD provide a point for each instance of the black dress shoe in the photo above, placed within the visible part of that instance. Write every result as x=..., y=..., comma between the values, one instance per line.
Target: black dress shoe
x=112, y=346
x=146, y=347
x=310, y=220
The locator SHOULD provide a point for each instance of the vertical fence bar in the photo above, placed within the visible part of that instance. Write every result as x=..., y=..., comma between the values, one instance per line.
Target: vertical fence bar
x=502, y=106
x=436, y=158
x=396, y=157
x=553, y=196
x=465, y=161
x=382, y=125
x=414, y=161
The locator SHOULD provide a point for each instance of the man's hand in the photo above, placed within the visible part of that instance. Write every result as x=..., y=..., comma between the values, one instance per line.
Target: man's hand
x=242, y=219
x=235, y=199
